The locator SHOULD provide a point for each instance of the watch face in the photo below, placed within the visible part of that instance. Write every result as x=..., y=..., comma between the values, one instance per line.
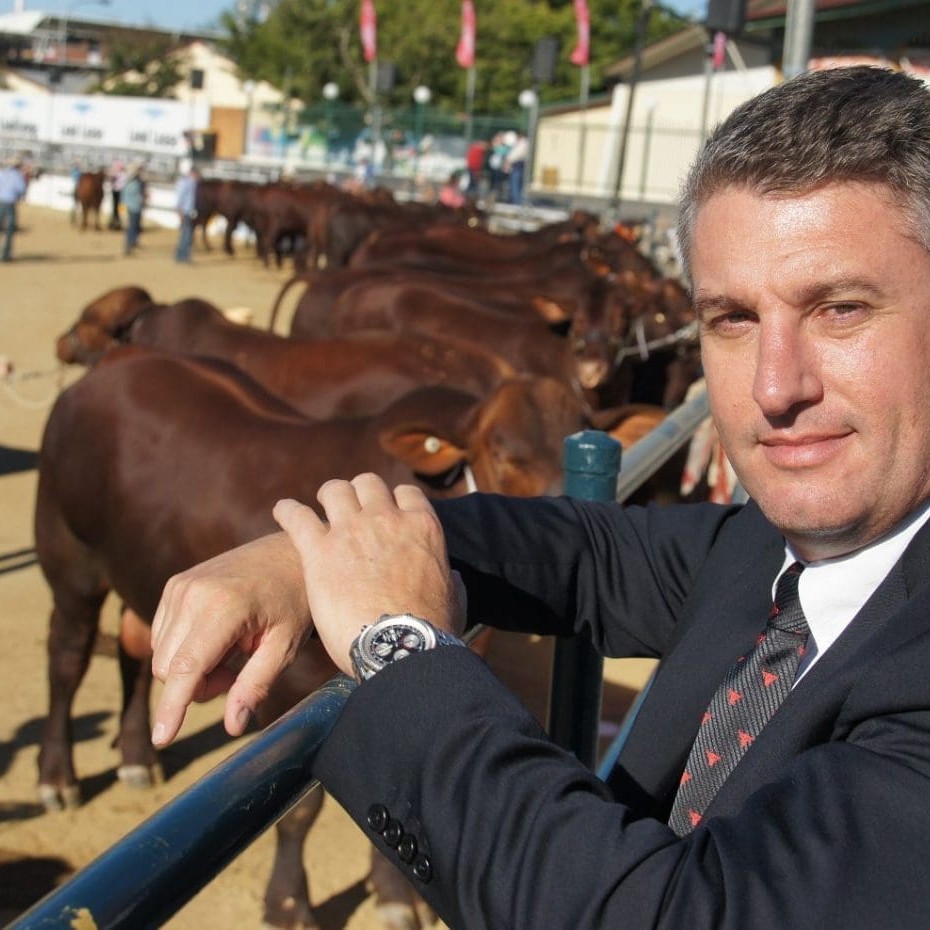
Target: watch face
x=394, y=638
x=396, y=641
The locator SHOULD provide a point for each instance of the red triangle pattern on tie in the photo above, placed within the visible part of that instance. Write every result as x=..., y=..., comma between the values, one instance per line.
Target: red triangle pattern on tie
x=707, y=716
x=712, y=757
x=695, y=818
x=685, y=777
x=746, y=739
x=734, y=697
x=768, y=678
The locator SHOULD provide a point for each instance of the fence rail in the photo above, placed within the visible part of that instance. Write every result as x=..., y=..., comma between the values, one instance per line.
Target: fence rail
x=149, y=875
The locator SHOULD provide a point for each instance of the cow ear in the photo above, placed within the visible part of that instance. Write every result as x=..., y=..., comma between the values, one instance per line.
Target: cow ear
x=550, y=311
x=422, y=451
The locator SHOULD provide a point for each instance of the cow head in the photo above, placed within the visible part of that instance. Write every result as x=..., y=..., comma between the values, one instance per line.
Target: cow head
x=511, y=441
x=597, y=332
x=101, y=325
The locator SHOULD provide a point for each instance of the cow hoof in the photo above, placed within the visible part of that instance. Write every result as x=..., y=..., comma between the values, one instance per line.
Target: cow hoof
x=53, y=798
x=398, y=917
x=135, y=776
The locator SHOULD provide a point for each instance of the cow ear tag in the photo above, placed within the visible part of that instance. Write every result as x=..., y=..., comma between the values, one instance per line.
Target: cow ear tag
x=423, y=452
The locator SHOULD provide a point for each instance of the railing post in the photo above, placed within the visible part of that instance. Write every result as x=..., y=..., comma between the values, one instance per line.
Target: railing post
x=591, y=461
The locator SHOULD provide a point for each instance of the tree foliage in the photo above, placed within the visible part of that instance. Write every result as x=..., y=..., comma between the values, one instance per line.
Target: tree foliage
x=306, y=43
x=142, y=69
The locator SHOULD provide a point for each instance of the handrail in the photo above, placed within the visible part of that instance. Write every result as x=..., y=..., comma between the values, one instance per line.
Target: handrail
x=177, y=851
x=146, y=877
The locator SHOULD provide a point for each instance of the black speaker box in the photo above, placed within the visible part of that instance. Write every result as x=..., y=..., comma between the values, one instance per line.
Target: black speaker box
x=545, y=59
x=196, y=78
x=386, y=77
x=727, y=16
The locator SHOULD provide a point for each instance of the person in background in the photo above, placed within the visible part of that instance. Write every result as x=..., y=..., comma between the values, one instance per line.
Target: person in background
x=133, y=198
x=185, y=196
x=777, y=772
x=475, y=158
x=12, y=190
x=451, y=194
x=118, y=177
x=515, y=164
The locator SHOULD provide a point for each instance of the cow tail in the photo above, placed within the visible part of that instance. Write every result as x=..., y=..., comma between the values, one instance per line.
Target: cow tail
x=304, y=277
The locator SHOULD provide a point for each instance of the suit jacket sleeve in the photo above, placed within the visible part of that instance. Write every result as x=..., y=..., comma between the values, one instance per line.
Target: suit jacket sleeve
x=517, y=834
x=556, y=565
x=508, y=832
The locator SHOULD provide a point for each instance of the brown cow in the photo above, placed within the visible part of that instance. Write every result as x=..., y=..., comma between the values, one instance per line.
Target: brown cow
x=585, y=360
x=88, y=196
x=152, y=463
x=321, y=378
x=228, y=199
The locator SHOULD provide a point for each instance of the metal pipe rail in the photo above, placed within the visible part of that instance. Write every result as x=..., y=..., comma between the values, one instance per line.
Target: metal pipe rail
x=145, y=878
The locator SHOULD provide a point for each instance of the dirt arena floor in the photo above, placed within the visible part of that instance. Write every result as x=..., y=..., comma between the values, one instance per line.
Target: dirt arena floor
x=56, y=271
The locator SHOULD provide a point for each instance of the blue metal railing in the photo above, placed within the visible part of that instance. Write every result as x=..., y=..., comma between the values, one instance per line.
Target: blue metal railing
x=156, y=869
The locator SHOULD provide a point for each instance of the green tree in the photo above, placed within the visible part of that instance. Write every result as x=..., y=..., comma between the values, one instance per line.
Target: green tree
x=142, y=69
x=306, y=43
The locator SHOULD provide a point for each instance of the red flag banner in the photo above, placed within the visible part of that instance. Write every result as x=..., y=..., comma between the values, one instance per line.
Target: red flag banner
x=368, y=29
x=581, y=54
x=719, y=54
x=465, y=50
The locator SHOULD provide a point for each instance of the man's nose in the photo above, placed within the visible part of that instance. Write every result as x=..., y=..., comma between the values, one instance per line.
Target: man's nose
x=787, y=370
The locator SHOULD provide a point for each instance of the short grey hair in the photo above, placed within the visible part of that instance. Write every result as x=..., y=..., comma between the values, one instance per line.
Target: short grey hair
x=862, y=123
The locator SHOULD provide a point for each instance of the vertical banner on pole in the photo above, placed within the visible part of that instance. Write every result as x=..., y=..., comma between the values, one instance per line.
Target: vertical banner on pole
x=465, y=50
x=368, y=29
x=465, y=57
x=582, y=51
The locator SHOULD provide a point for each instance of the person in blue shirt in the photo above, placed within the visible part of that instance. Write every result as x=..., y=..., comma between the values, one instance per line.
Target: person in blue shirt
x=12, y=190
x=133, y=197
x=185, y=193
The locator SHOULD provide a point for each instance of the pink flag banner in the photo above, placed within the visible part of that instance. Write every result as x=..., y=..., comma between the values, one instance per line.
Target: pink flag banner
x=581, y=54
x=368, y=29
x=719, y=54
x=465, y=50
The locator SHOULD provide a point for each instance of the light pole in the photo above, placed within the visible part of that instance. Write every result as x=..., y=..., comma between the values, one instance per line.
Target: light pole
x=529, y=101
x=249, y=88
x=330, y=95
x=63, y=25
x=421, y=96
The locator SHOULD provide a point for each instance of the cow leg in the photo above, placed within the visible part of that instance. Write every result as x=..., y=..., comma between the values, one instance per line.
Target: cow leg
x=397, y=905
x=139, y=759
x=287, y=896
x=72, y=631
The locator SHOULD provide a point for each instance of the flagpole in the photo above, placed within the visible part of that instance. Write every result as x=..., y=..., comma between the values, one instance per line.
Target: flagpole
x=470, y=106
x=583, y=129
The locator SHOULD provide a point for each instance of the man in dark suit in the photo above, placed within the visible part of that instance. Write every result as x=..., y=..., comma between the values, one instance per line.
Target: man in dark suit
x=805, y=230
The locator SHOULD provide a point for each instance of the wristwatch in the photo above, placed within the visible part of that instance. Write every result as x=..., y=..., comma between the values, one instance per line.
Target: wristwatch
x=392, y=637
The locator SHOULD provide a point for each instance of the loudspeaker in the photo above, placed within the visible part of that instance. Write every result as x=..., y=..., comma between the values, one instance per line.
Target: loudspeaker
x=727, y=16
x=196, y=78
x=545, y=58
x=386, y=77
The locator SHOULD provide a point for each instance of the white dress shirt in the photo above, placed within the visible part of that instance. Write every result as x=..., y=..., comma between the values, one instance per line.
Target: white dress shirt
x=833, y=591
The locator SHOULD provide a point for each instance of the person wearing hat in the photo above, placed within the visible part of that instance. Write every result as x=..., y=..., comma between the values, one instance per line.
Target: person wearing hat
x=12, y=190
x=133, y=198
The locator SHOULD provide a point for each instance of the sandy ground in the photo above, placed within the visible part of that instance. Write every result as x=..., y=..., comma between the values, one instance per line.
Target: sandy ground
x=56, y=271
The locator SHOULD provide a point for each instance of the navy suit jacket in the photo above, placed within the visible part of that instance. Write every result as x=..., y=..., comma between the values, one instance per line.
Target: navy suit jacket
x=825, y=822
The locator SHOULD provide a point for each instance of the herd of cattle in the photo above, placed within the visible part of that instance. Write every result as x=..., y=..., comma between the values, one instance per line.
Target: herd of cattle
x=422, y=347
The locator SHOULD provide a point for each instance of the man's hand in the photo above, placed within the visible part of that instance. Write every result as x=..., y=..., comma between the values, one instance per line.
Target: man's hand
x=244, y=606
x=381, y=552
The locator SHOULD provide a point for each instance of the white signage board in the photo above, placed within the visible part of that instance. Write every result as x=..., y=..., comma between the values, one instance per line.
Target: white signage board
x=143, y=123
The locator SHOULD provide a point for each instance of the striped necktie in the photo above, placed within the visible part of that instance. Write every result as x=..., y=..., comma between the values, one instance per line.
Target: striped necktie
x=750, y=694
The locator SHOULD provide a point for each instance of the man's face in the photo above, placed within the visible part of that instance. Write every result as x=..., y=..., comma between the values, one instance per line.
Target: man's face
x=815, y=337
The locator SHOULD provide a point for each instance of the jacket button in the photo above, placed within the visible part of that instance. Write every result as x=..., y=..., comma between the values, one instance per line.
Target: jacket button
x=378, y=817
x=423, y=868
x=407, y=848
x=393, y=832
